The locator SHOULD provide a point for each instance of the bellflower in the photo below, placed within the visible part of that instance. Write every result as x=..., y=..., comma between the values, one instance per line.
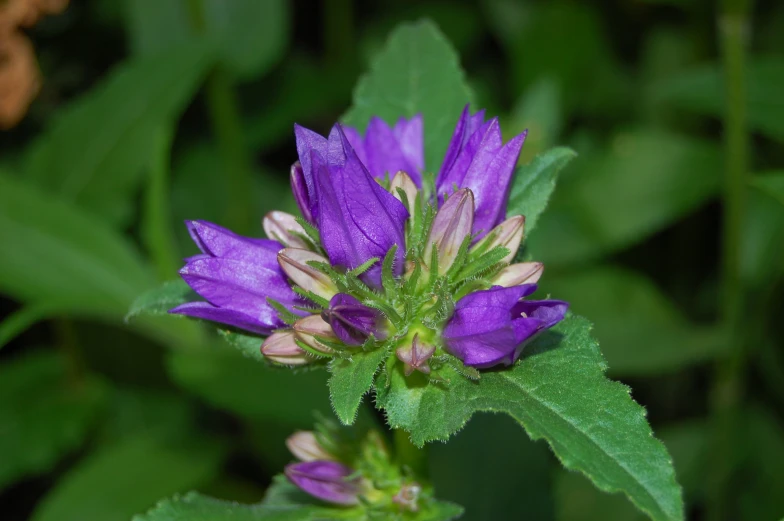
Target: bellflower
x=235, y=275
x=327, y=480
x=491, y=327
x=477, y=159
x=355, y=272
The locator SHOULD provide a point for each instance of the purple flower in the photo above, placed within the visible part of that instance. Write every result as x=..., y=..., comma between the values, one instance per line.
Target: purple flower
x=478, y=159
x=385, y=150
x=491, y=327
x=327, y=480
x=235, y=275
x=352, y=322
x=356, y=218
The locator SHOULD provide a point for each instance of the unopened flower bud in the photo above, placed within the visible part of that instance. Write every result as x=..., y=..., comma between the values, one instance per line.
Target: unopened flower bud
x=294, y=262
x=451, y=225
x=280, y=347
x=305, y=447
x=520, y=273
x=508, y=234
x=284, y=228
x=327, y=480
x=300, y=190
x=403, y=181
x=312, y=326
x=352, y=322
x=415, y=356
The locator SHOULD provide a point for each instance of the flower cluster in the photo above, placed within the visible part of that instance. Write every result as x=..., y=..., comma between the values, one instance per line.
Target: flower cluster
x=350, y=473
x=383, y=256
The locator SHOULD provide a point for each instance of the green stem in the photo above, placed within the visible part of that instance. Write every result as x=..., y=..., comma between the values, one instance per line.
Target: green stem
x=410, y=455
x=156, y=230
x=727, y=393
x=223, y=107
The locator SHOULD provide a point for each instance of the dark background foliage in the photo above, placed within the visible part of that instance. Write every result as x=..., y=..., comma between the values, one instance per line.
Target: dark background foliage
x=136, y=128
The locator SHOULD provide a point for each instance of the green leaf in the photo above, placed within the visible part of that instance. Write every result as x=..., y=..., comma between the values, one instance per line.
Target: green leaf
x=350, y=380
x=535, y=182
x=772, y=184
x=610, y=199
x=227, y=380
x=655, y=338
x=249, y=35
x=558, y=392
x=417, y=72
x=64, y=257
x=248, y=345
x=119, y=480
x=94, y=152
x=702, y=90
x=43, y=415
x=195, y=507
x=160, y=300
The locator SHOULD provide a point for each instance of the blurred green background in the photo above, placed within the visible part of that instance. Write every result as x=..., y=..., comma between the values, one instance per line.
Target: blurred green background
x=154, y=111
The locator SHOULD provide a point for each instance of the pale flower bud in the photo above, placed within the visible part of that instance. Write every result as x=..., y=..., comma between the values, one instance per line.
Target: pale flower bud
x=284, y=228
x=281, y=348
x=312, y=326
x=508, y=234
x=403, y=181
x=305, y=447
x=451, y=225
x=294, y=262
x=516, y=274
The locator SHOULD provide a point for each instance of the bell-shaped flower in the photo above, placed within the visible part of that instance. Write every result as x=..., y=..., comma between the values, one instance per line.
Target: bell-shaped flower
x=357, y=219
x=491, y=327
x=310, y=329
x=327, y=480
x=384, y=150
x=282, y=348
x=294, y=261
x=235, y=275
x=451, y=225
x=305, y=447
x=508, y=234
x=352, y=322
x=284, y=228
x=517, y=274
x=478, y=159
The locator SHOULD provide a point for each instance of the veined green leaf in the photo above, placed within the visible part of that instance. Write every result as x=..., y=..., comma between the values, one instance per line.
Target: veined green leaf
x=558, y=392
x=160, y=300
x=417, y=72
x=534, y=183
x=350, y=380
x=43, y=415
x=94, y=152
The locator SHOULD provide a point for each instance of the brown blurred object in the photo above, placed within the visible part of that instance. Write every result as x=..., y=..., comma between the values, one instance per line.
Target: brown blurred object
x=20, y=78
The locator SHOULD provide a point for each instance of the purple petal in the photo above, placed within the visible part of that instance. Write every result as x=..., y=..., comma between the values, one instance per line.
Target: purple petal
x=549, y=312
x=477, y=159
x=384, y=153
x=410, y=135
x=300, y=190
x=217, y=241
x=358, y=219
x=327, y=480
x=262, y=325
x=351, y=321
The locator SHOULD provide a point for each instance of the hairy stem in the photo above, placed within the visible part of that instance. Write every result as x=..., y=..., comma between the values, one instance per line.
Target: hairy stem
x=410, y=455
x=727, y=393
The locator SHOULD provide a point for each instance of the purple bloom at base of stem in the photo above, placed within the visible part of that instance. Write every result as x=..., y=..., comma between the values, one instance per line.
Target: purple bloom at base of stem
x=235, y=275
x=492, y=327
x=326, y=480
x=353, y=322
x=478, y=159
